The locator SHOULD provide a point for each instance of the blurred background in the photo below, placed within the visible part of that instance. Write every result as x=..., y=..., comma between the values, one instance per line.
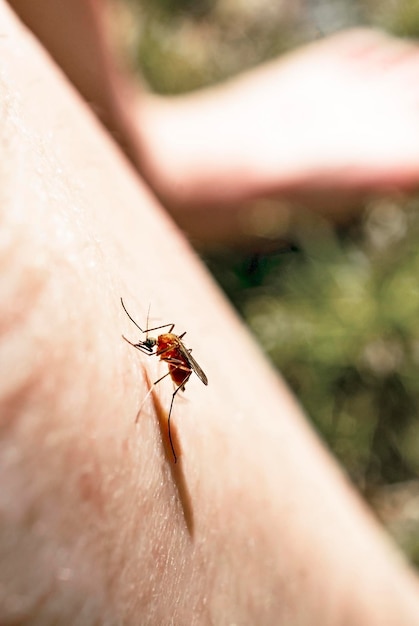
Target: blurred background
x=335, y=308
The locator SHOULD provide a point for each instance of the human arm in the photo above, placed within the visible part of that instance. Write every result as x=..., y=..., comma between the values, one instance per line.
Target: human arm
x=255, y=524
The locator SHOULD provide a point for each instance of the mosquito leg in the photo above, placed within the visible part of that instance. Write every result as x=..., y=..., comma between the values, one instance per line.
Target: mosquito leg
x=170, y=413
x=180, y=365
x=132, y=319
x=147, y=329
x=147, y=395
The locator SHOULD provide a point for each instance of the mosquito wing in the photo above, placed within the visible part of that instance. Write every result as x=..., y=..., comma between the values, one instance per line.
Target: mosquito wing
x=193, y=364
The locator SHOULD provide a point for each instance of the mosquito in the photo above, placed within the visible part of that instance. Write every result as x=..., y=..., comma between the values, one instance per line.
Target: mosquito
x=171, y=349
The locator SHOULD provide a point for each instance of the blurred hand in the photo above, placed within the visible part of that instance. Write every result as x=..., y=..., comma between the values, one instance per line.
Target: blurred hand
x=321, y=127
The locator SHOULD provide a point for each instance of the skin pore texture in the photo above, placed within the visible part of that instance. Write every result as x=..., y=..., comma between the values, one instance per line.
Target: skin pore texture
x=255, y=523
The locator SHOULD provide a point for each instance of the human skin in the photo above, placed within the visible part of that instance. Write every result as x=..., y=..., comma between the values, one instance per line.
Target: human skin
x=255, y=523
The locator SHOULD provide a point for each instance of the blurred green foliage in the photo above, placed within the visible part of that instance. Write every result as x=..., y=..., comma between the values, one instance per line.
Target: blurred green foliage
x=338, y=312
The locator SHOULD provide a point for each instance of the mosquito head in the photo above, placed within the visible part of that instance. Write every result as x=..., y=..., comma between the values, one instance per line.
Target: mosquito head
x=149, y=343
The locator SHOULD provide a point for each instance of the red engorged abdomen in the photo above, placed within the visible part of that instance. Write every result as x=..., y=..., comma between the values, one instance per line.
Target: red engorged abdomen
x=179, y=376
x=167, y=349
